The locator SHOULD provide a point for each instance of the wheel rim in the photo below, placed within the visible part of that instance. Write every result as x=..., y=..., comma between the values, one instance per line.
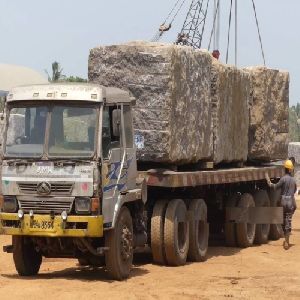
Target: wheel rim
x=126, y=243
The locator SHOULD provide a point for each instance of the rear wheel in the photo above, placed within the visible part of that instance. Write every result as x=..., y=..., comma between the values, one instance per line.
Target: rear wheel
x=230, y=228
x=276, y=231
x=118, y=258
x=262, y=231
x=27, y=260
x=157, y=232
x=199, y=231
x=176, y=233
x=83, y=262
x=245, y=232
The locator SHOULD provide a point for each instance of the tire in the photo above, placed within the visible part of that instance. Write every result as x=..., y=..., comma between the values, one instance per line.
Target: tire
x=230, y=228
x=176, y=233
x=118, y=259
x=83, y=262
x=276, y=231
x=157, y=232
x=262, y=231
x=27, y=260
x=199, y=231
x=245, y=233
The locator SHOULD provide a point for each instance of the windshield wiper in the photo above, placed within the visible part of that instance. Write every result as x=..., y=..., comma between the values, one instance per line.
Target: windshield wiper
x=20, y=162
x=70, y=162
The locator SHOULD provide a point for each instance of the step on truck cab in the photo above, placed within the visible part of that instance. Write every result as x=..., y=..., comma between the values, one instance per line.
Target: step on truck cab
x=71, y=188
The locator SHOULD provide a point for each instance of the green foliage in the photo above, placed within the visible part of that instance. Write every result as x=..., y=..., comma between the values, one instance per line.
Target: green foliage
x=57, y=75
x=75, y=79
x=294, y=123
x=56, y=72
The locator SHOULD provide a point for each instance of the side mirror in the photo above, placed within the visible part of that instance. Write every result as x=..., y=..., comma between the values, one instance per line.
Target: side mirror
x=116, y=122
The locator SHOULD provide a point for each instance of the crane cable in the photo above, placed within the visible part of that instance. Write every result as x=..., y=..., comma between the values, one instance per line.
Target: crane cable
x=159, y=34
x=259, y=35
x=228, y=35
x=214, y=24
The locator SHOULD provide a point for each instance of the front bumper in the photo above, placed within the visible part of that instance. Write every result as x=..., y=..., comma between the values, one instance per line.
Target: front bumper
x=45, y=226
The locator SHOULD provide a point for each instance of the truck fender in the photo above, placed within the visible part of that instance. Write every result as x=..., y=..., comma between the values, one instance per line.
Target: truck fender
x=129, y=196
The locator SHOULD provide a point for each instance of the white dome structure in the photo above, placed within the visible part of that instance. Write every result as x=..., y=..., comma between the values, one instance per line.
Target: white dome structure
x=12, y=76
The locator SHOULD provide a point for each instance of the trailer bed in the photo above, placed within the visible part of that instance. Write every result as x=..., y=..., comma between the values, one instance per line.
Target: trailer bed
x=171, y=179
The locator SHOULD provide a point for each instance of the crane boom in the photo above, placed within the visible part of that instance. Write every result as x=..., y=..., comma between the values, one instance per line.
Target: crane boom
x=193, y=28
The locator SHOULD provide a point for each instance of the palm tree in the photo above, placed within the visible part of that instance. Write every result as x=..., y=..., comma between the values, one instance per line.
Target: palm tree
x=56, y=72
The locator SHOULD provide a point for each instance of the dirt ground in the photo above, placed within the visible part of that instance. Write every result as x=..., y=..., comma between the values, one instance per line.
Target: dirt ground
x=264, y=272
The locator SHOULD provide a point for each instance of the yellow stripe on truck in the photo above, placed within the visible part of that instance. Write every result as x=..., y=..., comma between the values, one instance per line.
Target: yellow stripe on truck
x=94, y=226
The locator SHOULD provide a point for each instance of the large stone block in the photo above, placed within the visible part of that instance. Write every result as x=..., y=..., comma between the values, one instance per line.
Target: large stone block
x=172, y=87
x=268, y=131
x=230, y=93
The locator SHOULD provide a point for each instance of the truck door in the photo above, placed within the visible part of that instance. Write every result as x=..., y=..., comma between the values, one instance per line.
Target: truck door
x=119, y=164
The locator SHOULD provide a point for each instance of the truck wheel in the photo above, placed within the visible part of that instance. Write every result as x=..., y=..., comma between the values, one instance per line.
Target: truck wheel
x=230, y=228
x=245, y=232
x=276, y=231
x=157, y=232
x=83, y=262
x=176, y=233
x=199, y=231
x=27, y=260
x=261, y=199
x=118, y=258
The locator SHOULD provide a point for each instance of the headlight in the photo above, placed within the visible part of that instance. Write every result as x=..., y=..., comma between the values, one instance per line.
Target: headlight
x=10, y=204
x=83, y=205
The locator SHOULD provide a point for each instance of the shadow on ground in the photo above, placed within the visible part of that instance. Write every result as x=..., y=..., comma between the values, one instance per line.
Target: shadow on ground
x=87, y=274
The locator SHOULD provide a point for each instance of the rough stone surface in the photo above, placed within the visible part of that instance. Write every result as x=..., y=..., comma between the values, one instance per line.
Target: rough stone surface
x=230, y=93
x=268, y=131
x=172, y=87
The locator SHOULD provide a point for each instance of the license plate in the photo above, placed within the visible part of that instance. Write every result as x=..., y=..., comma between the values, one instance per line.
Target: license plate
x=42, y=225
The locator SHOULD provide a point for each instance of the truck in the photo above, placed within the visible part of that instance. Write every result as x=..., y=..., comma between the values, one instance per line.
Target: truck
x=72, y=187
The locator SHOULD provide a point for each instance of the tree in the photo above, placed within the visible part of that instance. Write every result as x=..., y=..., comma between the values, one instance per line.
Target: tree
x=57, y=75
x=56, y=72
x=294, y=123
x=75, y=79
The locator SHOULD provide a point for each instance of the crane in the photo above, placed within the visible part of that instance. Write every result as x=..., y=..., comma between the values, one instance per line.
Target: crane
x=192, y=30
x=194, y=26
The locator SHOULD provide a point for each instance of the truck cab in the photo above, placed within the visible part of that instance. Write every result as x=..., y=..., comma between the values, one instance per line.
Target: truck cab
x=69, y=175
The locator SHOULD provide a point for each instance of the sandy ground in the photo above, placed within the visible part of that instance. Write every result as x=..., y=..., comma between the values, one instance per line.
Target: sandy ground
x=264, y=272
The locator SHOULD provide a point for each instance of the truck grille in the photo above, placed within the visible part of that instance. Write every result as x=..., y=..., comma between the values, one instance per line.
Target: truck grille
x=45, y=204
x=57, y=188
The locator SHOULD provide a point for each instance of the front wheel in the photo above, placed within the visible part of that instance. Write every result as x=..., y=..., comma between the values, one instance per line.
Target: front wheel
x=118, y=258
x=27, y=260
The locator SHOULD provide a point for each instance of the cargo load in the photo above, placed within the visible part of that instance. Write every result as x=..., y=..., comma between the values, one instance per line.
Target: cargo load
x=172, y=87
x=230, y=94
x=191, y=108
x=269, y=114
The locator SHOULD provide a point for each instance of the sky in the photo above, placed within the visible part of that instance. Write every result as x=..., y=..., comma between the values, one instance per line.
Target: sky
x=34, y=33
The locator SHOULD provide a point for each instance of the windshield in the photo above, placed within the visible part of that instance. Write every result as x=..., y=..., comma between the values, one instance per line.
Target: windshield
x=71, y=131
x=26, y=131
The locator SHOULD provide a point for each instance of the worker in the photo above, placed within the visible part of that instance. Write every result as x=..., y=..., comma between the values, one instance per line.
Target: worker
x=288, y=187
x=216, y=54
